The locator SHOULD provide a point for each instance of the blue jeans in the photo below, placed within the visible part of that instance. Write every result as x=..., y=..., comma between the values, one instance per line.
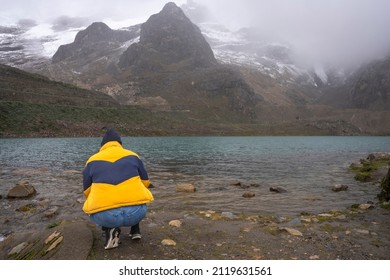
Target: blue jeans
x=126, y=216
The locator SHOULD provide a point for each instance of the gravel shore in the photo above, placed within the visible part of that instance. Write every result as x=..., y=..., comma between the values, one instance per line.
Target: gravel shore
x=359, y=232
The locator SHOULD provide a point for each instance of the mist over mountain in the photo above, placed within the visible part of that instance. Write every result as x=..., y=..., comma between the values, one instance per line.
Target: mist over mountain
x=168, y=37
x=186, y=60
x=88, y=41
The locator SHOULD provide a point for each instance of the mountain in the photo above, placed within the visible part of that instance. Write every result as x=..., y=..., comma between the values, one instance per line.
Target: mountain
x=92, y=42
x=257, y=49
x=370, y=86
x=184, y=78
x=168, y=38
x=367, y=88
x=164, y=64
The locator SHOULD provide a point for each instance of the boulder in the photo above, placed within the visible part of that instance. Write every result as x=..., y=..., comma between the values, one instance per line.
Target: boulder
x=22, y=189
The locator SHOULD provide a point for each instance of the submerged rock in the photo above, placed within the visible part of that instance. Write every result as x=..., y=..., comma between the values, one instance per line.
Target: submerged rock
x=249, y=194
x=277, y=189
x=339, y=188
x=22, y=189
x=228, y=215
x=51, y=212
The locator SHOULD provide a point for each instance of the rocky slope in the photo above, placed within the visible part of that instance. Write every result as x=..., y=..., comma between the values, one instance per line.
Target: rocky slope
x=368, y=88
x=168, y=38
x=21, y=86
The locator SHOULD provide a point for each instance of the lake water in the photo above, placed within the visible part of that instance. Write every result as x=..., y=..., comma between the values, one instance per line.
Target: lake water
x=307, y=167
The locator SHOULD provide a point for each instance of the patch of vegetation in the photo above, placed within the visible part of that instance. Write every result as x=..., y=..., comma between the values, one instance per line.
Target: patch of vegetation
x=376, y=242
x=27, y=208
x=385, y=206
x=331, y=228
x=272, y=230
x=384, y=195
x=363, y=177
x=53, y=225
x=355, y=206
x=368, y=167
x=322, y=219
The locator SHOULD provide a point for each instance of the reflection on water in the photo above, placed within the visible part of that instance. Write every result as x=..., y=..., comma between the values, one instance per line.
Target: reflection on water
x=307, y=167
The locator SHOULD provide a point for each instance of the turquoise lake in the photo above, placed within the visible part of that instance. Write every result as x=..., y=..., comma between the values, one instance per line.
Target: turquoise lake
x=307, y=167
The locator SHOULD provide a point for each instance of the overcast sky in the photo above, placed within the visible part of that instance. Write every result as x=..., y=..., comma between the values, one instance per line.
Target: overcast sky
x=324, y=30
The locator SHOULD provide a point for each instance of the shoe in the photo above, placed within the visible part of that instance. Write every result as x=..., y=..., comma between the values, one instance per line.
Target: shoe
x=104, y=230
x=135, y=233
x=112, y=238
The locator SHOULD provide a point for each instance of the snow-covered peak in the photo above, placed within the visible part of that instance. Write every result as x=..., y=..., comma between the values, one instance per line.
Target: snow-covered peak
x=21, y=45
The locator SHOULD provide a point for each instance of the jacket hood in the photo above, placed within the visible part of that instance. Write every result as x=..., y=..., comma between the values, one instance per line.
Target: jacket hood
x=111, y=135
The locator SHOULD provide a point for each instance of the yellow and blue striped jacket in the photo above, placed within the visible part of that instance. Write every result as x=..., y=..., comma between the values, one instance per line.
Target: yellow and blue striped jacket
x=114, y=177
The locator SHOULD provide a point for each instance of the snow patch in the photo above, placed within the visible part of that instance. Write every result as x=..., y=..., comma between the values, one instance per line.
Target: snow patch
x=320, y=72
x=67, y=37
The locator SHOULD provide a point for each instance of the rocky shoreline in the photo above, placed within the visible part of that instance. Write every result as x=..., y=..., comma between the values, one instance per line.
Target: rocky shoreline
x=50, y=226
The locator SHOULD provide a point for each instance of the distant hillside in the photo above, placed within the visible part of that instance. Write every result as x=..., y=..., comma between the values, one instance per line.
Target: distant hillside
x=368, y=88
x=32, y=105
x=18, y=85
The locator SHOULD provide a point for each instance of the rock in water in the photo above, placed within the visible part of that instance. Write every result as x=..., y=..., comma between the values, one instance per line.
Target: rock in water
x=51, y=212
x=248, y=194
x=22, y=189
x=185, y=187
x=339, y=188
x=277, y=189
x=365, y=206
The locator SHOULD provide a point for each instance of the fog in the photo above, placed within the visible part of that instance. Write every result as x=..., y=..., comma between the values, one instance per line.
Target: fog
x=336, y=32
x=93, y=10
x=344, y=32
